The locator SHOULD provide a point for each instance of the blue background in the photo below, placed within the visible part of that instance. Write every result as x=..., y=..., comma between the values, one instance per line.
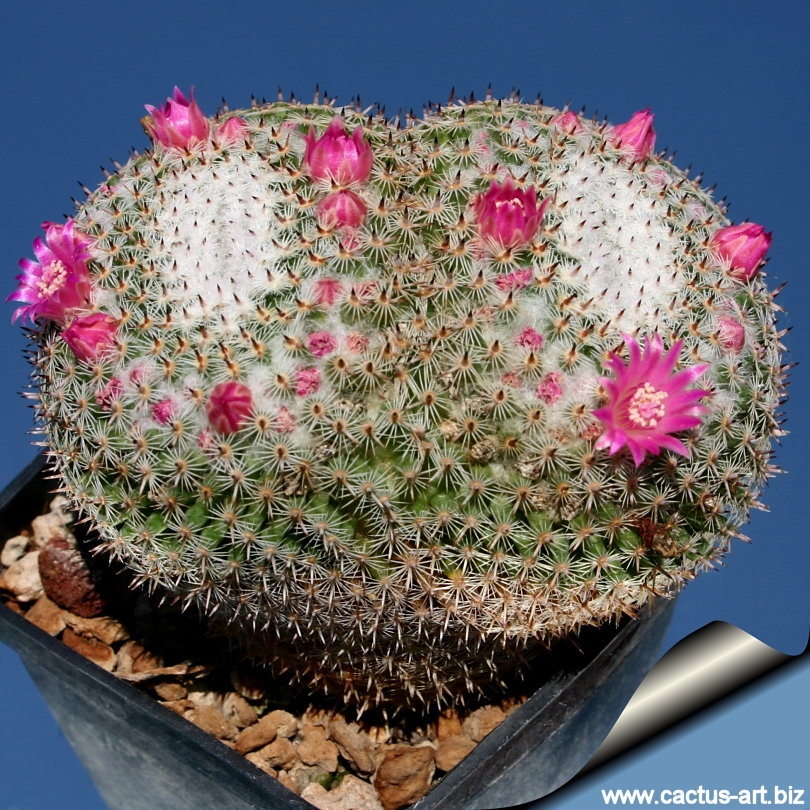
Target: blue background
x=728, y=82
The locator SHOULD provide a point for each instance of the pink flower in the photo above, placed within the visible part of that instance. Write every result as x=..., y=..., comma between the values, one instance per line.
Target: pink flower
x=636, y=135
x=549, y=389
x=162, y=411
x=648, y=402
x=356, y=342
x=59, y=281
x=507, y=215
x=91, y=336
x=179, y=123
x=229, y=406
x=568, y=122
x=285, y=421
x=512, y=379
x=343, y=209
x=530, y=338
x=327, y=291
x=321, y=343
x=516, y=280
x=338, y=157
x=731, y=333
x=109, y=394
x=307, y=381
x=742, y=247
x=234, y=129
x=205, y=440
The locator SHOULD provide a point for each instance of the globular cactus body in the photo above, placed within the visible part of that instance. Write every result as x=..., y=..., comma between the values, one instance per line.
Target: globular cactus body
x=342, y=382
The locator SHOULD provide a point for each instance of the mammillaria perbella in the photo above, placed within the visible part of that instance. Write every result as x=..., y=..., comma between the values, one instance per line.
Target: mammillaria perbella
x=398, y=401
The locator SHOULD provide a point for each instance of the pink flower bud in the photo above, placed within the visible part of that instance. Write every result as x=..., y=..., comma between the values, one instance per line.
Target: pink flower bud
x=549, y=389
x=234, y=129
x=89, y=337
x=530, y=338
x=356, y=342
x=568, y=122
x=336, y=156
x=508, y=216
x=321, y=343
x=109, y=394
x=516, y=280
x=344, y=209
x=742, y=247
x=59, y=280
x=205, y=441
x=327, y=291
x=179, y=123
x=162, y=411
x=731, y=333
x=637, y=135
x=229, y=407
x=307, y=381
x=284, y=421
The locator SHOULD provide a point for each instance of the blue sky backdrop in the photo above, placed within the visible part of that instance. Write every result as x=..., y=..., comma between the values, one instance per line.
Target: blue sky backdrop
x=727, y=81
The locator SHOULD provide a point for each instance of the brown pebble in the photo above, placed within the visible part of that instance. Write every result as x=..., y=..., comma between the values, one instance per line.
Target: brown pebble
x=260, y=762
x=14, y=549
x=237, y=709
x=354, y=745
x=287, y=781
x=286, y=723
x=315, y=717
x=482, y=721
x=316, y=749
x=47, y=616
x=351, y=794
x=133, y=658
x=93, y=650
x=22, y=578
x=67, y=579
x=170, y=691
x=13, y=607
x=448, y=725
x=452, y=750
x=257, y=735
x=212, y=720
x=280, y=754
x=103, y=628
x=404, y=775
x=180, y=706
x=46, y=527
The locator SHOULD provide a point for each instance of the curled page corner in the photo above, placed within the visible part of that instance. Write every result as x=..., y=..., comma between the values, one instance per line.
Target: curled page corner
x=708, y=665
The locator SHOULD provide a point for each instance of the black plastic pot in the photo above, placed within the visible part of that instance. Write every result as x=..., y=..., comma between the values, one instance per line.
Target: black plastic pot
x=142, y=756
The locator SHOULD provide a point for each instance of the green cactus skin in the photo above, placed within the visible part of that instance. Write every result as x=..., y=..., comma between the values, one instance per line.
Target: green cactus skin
x=423, y=520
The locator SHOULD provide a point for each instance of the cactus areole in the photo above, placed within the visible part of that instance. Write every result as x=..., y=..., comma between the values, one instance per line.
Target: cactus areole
x=397, y=402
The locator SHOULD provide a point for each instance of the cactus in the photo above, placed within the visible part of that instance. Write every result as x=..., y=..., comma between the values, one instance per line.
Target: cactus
x=396, y=402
